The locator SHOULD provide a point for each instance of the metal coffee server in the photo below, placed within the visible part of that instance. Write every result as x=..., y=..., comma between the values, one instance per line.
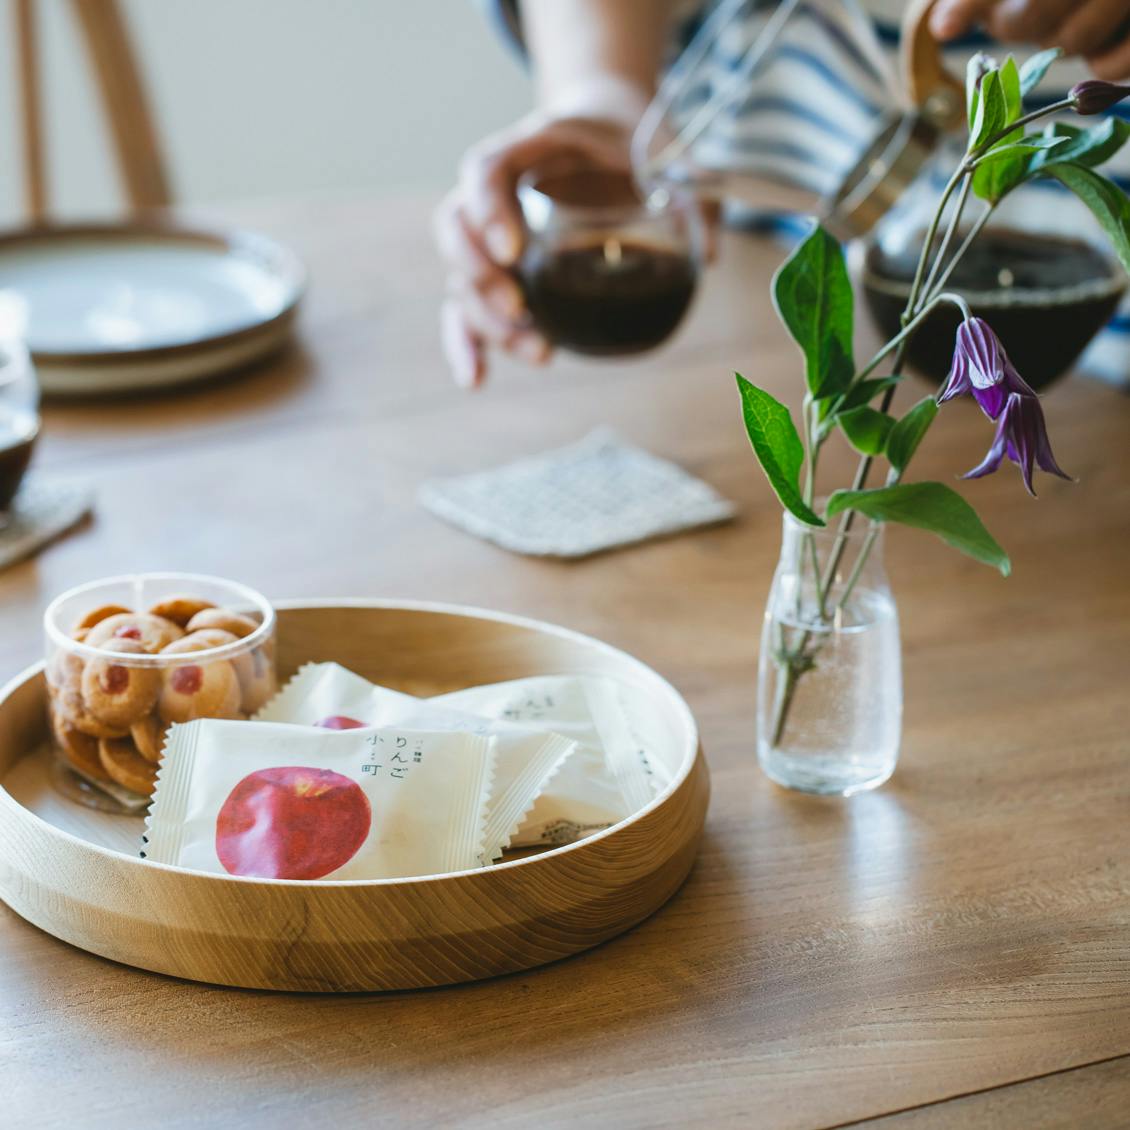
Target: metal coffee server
x=725, y=122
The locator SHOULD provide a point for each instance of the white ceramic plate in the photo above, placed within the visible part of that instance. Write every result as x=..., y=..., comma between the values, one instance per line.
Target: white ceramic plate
x=142, y=306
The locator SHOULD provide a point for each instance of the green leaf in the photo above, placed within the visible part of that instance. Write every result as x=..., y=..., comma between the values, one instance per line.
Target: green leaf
x=1034, y=69
x=992, y=110
x=777, y=446
x=1006, y=165
x=994, y=179
x=974, y=71
x=813, y=297
x=927, y=506
x=866, y=429
x=1010, y=87
x=1110, y=205
x=1034, y=143
x=864, y=392
x=907, y=434
x=1091, y=147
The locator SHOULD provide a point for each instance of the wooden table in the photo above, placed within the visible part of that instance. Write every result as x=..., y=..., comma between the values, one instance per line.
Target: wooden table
x=953, y=949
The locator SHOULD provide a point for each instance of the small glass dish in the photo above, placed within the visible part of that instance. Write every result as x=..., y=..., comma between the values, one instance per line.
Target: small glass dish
x=129, y=656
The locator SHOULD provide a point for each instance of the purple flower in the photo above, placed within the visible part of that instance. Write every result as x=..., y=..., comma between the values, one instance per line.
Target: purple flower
x=1023, y=436
x=1096, y=97
x=981, y=368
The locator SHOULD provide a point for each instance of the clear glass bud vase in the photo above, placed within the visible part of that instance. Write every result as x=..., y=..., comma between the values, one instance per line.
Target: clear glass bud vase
x=829, y=707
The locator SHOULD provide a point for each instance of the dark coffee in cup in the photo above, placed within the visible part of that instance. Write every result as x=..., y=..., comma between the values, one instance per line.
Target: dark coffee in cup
x=607, y=297
x=606, y=273
x=1046, y=298
x=18, y=431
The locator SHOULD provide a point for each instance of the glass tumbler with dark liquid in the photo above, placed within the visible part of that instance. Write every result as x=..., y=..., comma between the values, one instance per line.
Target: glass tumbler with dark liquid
x=605, y=272
x=1045, y=296
x=1041, y=273
x=19, y=421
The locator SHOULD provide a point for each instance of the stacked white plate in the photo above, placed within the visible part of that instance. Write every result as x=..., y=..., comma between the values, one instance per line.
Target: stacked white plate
x=113, y=308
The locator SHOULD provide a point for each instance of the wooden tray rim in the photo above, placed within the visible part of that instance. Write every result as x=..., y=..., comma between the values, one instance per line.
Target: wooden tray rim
x=35, y=671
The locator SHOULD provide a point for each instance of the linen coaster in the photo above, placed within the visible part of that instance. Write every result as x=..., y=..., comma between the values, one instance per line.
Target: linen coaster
x=581, y=499
x=43, y=509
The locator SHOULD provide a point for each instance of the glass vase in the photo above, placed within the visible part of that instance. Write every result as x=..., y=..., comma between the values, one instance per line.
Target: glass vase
x=829, y=708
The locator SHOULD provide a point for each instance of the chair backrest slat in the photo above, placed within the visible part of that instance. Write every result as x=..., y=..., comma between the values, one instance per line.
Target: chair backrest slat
x=31, y=111
x=137, y=150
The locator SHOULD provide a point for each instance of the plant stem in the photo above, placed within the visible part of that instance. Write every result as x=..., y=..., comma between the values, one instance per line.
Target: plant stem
x=959, y=254
x=812, y=458
x=920, y=304
x=928, y=243
x=1020, y=123
x=864, y=553
x=909, y=330
x=785, y=698
x=947, y=239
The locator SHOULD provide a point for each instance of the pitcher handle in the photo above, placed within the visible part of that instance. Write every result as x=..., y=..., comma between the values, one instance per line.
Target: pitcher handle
x=933, y=89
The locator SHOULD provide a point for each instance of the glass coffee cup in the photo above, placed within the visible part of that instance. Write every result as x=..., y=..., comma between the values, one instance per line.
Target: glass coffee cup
x=605, y=272
x=19, y=420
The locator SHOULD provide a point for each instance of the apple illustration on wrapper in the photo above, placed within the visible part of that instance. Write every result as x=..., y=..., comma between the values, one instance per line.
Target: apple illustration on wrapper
x=340, y=722
x=292, y=822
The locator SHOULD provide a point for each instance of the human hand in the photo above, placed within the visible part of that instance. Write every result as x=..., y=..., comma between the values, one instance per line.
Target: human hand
x=1098, y=30
x=480, y=234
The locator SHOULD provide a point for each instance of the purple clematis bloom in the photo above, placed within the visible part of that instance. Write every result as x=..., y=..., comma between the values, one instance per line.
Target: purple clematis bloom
x=1096, y=97
x=981, y=369
x=1023, y=436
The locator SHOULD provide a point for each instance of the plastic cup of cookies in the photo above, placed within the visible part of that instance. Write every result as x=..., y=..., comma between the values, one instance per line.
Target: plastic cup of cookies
x=127, y=657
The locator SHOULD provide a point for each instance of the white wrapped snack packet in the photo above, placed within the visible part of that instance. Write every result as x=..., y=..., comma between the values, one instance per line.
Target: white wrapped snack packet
x=333, y=697
x=288, y=802
x=608, y=777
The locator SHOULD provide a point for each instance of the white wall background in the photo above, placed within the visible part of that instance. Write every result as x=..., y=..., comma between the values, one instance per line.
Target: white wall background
x=259, y=98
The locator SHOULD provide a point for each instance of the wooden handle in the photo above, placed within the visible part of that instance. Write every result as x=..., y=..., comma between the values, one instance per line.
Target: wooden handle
x=931, y=86
x=31, y=112
x=123, y=96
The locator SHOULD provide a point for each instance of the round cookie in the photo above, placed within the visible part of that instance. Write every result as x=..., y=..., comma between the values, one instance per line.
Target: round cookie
x=149, y=736
x=126, y=766
x=69, y=704
x=223, y=618
x=116, y=693
x=180, y=608
x=193, y=690
x=79, y=750
x=251, y=669
x=97, y=615
x=64, y=672
x=202, y=639
x=152, y=632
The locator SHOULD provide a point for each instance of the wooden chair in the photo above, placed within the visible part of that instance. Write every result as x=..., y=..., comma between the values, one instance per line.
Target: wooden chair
x=138, y=153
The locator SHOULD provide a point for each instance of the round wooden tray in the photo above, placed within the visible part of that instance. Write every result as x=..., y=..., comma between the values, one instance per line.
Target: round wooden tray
x=75, y=873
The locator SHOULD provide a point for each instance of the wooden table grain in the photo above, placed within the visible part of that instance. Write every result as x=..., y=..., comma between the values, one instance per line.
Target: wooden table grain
x=951, y=950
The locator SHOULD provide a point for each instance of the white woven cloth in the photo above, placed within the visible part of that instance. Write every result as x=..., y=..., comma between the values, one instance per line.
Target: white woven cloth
x=43, y=509
x=592, y=495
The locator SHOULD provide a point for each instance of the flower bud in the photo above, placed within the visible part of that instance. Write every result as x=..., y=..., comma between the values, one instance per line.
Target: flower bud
x=1095, y=97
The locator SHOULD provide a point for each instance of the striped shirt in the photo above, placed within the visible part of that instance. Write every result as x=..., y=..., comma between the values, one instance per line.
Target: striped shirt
x=810, y=111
